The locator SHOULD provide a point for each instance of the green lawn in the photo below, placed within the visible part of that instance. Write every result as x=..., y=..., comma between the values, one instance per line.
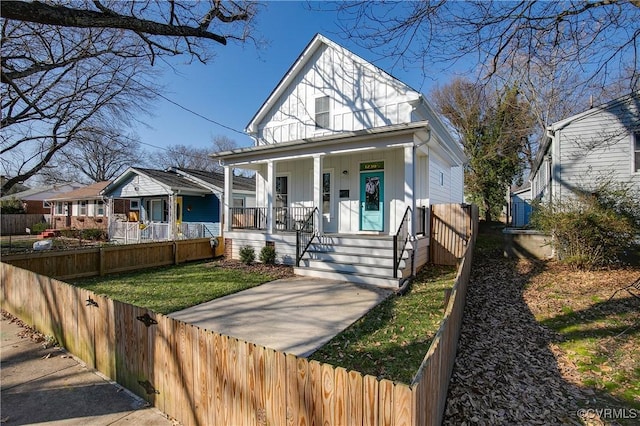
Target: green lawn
x=391, y=341
x=169, y=289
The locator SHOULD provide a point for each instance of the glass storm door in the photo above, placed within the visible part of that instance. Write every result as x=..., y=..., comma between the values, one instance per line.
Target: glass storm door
x=372, y=201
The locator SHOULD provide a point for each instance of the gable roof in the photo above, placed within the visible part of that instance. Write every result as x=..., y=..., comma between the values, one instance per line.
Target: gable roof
x=316, y=43
x=42, y=192
x=559, y=125
x=85, y=193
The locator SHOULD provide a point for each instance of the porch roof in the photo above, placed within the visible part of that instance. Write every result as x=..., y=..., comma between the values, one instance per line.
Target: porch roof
x=333, y=144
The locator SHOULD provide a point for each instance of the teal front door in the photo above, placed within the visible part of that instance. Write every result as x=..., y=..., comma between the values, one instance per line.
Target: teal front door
x=372, y=201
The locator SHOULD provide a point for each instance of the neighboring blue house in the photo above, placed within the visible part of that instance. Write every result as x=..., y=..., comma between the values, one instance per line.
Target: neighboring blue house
x=520, y=206
x=171, y=204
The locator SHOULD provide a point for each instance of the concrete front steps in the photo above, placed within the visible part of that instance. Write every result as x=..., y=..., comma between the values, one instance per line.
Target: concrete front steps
x=358, y=259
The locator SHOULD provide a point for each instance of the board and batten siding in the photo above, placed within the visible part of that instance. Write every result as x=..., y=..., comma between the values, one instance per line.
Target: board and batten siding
x=361, y=97
x=596, y=148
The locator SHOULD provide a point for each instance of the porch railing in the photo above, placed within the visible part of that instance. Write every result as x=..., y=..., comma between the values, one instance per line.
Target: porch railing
x=305, y=234
x=191, y=230
x=134, y=232
x=400, y=240
x=290, y=219
x=248, y=217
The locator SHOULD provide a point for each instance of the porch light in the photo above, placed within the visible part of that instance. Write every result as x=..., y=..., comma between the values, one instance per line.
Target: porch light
x=345, y=172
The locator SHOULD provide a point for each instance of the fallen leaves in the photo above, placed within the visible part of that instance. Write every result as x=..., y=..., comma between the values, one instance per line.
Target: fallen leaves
x=510, y=369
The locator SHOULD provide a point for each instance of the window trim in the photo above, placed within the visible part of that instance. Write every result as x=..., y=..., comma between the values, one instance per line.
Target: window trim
x=317, y=124
x=81, y=204
x=275, y=190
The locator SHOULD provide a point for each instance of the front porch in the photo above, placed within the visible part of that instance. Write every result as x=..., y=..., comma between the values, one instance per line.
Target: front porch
x=382, y=260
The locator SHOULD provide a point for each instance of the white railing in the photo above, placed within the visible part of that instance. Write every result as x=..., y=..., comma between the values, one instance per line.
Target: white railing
x=134, y=232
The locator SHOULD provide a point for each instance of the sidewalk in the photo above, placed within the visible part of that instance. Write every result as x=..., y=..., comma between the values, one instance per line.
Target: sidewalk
x=48, y=385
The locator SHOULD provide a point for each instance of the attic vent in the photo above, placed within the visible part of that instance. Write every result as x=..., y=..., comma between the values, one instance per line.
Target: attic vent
x=322, y=112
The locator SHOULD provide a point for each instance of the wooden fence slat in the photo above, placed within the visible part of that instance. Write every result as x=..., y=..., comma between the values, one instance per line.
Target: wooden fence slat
x=341, y=396
x=243, y=396
x=276, y=395
x=259, y=375
x=386, y=402
x=222, y=379
x=313, y=393
x=403, y=407
x=201, y=380
x=370, y=397
x=355, y=398
x=305, y=411
x=328, y=402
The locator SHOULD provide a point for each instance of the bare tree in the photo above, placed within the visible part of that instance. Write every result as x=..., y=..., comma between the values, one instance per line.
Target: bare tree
x=184, y=157
x=69, y=72
x=598, y=38
x=102, y=156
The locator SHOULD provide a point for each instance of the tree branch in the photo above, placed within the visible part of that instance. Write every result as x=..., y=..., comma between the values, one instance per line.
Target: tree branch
x=69, y=17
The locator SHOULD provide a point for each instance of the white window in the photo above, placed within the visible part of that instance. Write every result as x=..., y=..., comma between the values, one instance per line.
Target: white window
x=99, y=208
x=238, y=202
x=326, y=193
x=636, y=152
x=82, y=208
x=322, y=113
x=46, y=204
x=282, y=191
x=134, y=204
x=59, y=209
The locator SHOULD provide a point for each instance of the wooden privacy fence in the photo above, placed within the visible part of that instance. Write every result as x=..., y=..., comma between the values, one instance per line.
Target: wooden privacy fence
x=16, y=224
x=451, y=230
x=95, y=261
x=431, y=382
x=201, y=377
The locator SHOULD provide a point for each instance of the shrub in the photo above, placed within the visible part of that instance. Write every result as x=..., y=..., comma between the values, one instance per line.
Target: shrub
x=93, y=234
x=247, y=255
x=37, y=228
x=11, y=206
x=593, y=228
x=268, y=255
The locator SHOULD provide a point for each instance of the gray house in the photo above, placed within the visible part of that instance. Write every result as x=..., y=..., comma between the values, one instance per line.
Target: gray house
x=583, y=151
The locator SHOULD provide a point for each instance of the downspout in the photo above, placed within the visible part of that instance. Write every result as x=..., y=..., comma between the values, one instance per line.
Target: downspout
x=551, y=135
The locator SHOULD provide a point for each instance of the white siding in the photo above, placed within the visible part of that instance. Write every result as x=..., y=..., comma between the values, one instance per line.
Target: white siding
x=457, y=184
x=145, y=187
x=439, y=180
x=361, y=97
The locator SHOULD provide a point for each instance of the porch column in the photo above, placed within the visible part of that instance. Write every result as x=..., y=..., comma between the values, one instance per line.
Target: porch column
x=270, y=191
x=110, y=216
x=171, y=228
x=317, y=190
x=409, y=185
x=228, y=196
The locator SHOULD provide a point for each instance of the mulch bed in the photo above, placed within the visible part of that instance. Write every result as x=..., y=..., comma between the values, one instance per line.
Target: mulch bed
x=275, y=271
x=508, y=370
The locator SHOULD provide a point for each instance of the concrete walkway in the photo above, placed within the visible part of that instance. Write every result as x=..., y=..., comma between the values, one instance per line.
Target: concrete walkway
x=295, y=315
x=49, y=386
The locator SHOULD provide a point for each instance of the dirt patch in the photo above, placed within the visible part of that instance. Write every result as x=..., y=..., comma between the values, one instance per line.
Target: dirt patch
x=275, y=271
x=513, y=365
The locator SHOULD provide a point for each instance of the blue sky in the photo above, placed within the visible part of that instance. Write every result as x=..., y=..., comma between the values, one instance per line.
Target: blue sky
x=234, y=84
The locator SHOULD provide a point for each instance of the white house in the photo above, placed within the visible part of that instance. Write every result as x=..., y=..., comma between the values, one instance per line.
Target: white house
x=349, y=157
x=587, y=149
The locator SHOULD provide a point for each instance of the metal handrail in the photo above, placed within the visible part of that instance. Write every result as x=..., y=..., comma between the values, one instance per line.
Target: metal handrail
x=306, y=230
x=403, y=233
